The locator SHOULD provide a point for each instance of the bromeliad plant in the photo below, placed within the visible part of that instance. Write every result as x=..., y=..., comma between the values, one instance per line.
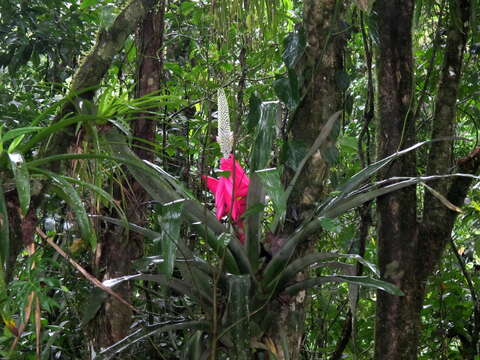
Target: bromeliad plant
x=237, y=294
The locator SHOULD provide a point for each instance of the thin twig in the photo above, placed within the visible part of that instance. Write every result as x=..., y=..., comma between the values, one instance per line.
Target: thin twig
x=84, y=272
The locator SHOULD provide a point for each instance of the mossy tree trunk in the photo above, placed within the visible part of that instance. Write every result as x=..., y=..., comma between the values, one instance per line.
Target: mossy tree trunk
x=119, y=249
x=320, y=98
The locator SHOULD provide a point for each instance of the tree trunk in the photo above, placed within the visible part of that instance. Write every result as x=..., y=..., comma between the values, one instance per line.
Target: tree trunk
x=398, y=318
x=118, y=248
x=321, y=97
x=408, y=251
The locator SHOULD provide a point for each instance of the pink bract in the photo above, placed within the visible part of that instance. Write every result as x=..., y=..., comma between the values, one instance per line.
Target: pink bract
x=230, y=192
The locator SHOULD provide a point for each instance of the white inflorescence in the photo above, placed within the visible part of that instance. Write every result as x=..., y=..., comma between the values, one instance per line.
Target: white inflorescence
x=225, y=135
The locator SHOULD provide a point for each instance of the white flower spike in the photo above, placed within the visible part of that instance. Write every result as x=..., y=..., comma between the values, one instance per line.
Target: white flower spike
x=225, y=134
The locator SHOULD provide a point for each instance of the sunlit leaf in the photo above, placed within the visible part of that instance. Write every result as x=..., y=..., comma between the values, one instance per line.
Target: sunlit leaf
x=171, y=221
x=22, y=180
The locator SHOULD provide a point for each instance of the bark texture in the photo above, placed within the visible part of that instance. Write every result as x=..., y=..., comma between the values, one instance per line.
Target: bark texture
x=119, y=249
x=408, y=251
x=320, y=97
x=397, y=230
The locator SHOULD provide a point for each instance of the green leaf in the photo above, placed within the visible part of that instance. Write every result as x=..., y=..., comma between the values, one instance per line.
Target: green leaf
x=171, y=221
x=356, y=280
x=271, y=180
x=68, y=193
x=253, y=112
x=255, y=200
x=87, y=3
x=149, y=332
x=192, y=349
x=315, y=260
x=22, y=180
x=92, y=305
x=329, y=224
x=4, y=229
x=56, y=127
x=13, y=145
x=266, y=132
x=12, y=134
x=372, y=169
x=348, y=143
x=261, y=156
x=294, y=44
x=286, y=88
x=237, y=326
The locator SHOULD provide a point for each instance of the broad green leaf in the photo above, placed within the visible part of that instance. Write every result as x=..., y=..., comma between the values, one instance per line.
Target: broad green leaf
x=68, y=193
x=348, y=143
x=238, y=315
x=329, y=224
x=272, y=183
x=22, y=180
x=266, y=132
x=357, y=280
x=4, y=229
x=92, y=304
x=286, y=89
x=171, y=221
x=261, y=156
x=294, y=44
x=87, y=3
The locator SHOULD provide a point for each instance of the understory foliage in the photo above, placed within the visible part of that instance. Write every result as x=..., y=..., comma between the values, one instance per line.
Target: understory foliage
x=216, y=265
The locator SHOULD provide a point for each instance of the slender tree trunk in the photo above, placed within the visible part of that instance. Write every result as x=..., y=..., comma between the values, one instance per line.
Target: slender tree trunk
x=118, y=248
x=408, y=251
x=320, y=99
x=398, y=318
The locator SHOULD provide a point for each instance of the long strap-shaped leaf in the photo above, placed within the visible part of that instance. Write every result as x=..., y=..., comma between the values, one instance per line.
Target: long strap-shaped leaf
x=311, y=259
x=141, y=334
x=68, y=193
x=357, y=280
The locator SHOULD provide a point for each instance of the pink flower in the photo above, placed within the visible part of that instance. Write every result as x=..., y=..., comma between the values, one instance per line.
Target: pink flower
x=230, y=193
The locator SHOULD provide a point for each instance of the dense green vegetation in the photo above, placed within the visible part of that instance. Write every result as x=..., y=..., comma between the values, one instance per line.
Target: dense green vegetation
x=356, y=124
